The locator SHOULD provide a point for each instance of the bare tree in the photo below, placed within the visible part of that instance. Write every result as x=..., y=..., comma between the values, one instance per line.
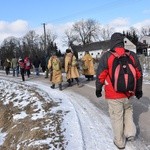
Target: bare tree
x=84, y=31
x=69, y=38
x=11, y=47
x=31, y=38
x=145, y=31
x=31, y=43
x=50, y=37
x=106, y=32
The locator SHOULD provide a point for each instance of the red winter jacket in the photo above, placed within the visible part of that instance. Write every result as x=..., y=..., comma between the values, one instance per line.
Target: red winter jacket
x=27, y=63
x=104, y=73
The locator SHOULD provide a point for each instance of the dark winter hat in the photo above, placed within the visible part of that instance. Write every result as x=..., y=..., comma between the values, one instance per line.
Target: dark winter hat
x=68, y=50
x=117, y=40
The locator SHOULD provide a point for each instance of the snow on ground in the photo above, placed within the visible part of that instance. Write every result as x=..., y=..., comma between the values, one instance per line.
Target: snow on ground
x=146, y=75
x=85, y=126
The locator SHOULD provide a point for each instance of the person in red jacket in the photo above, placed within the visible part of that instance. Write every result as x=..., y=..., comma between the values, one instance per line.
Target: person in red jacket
x=27, y=66
x=120, y=108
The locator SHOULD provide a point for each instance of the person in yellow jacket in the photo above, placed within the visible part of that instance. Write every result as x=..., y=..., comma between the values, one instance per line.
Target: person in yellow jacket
x=71, y=67
x=54, y=66
x=88, y=66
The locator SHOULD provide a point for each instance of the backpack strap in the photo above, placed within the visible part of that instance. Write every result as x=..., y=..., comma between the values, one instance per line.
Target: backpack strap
x=114, y=54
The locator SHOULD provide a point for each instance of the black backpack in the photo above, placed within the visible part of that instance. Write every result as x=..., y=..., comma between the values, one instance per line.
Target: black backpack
x=123, y=74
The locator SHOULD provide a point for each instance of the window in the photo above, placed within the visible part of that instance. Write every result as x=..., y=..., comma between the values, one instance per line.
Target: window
x=144, y=41
x=144, y=50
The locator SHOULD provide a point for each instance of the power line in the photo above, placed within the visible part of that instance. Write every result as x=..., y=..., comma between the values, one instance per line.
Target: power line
x=85, y=11
x=101, y=8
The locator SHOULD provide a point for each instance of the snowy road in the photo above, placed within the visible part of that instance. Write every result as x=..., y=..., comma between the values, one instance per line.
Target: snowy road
x=86, y=126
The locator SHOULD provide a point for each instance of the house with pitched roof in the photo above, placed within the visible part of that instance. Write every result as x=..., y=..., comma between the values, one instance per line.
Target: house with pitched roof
x=146, y=40
x=97, y=48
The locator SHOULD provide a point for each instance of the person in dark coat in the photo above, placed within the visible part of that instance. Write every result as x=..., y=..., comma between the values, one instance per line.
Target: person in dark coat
x=36, y=64
x=43, y=64
x=120, y=107
x=47, y=70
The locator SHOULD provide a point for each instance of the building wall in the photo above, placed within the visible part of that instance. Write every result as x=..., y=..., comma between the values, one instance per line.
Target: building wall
x=145, y=40
x=97, y=53
x=129, y=45
x=148, y=52
x=94, y=53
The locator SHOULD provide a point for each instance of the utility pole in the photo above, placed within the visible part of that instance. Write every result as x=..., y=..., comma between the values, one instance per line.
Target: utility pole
x=44, y=37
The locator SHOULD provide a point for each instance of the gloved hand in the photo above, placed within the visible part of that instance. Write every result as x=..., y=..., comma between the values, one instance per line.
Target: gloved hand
x=98, y=93
x=138, y=94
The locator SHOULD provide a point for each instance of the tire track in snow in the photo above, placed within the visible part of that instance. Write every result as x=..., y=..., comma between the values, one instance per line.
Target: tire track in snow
x=94, y=124
x=80, y=125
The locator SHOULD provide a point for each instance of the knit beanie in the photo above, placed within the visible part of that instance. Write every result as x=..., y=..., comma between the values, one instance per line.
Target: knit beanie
x=117, y=40
x=68, y=50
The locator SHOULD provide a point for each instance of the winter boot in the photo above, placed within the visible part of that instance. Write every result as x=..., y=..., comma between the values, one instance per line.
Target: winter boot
x=60, y=87
x=53, y=86
x=69, y=81
x=77, y=80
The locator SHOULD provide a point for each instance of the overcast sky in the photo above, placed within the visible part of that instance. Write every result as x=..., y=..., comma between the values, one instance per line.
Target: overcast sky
x=18, y=17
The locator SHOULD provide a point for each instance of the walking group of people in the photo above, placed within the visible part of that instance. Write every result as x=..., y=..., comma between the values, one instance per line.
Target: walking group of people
x=23, y=66
x=119, y=71
x=70, y=68
x=117, y=62
x=53, y=67
x=20, y=65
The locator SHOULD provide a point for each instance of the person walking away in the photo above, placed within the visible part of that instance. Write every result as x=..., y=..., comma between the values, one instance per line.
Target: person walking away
x=47, y=70
x=36, y=64
x=43, y=64
x=119, y=104
x=7, y=65
x=55, y=71
x=88, y=66
x=18, y=68
x=22, y=68
x=71, y=67
x=14, y=64
x=27, y=66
